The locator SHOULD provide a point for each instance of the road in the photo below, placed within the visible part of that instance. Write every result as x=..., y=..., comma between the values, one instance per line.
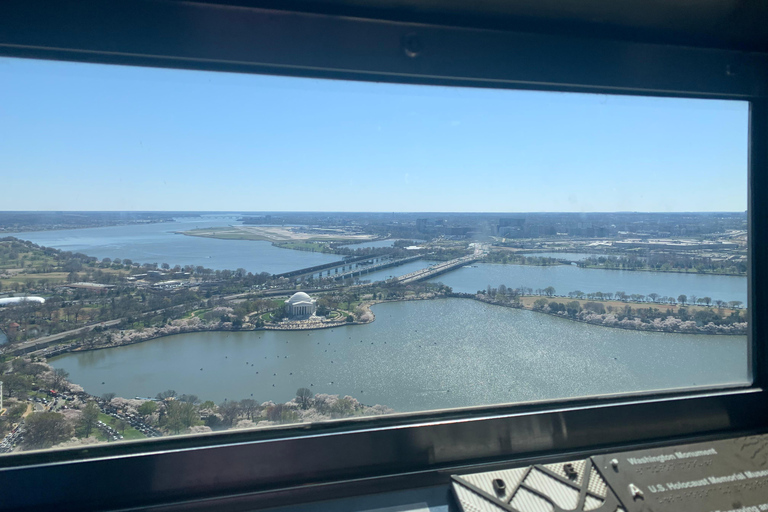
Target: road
x=30, y=345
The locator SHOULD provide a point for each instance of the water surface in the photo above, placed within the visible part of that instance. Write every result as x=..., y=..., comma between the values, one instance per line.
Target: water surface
x=157, y=243
x=417, y=355
x=568, y=278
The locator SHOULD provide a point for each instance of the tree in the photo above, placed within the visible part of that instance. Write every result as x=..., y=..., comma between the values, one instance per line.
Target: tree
x=60, y=376
x=682, y=299
x=147, y=409
x=15, y=385
x=208, y=404
x=229, y=411
x=573, y=308
x=279, y=413
x=549, y=290
x=653, y=296
x=180, y=415
x=88, y=418
x=45, y=429
x=342, y=408
x=120, y=426
x=108, y=396
x=707, y=300
x=304, y=397
x=169, y=393
x=249, y=407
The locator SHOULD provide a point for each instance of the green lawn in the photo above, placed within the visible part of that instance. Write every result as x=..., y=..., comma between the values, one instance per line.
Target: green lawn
x=302, y=246
x=31, y=260
x=56, y=277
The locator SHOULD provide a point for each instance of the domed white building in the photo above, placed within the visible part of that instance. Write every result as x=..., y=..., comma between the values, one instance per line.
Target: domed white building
x=300, y=305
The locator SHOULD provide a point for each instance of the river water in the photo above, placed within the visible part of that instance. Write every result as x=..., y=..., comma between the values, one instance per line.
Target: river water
x=568, y=278
x=417, y=355
x=157, y=243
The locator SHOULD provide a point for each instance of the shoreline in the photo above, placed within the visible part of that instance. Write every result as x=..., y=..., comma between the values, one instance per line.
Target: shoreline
x=366, y=307
x=582, y=321
x=13, y=233
x=559, y=264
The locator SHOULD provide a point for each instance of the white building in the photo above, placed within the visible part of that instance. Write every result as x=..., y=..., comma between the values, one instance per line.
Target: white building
x=19, y=300
x=300, y=305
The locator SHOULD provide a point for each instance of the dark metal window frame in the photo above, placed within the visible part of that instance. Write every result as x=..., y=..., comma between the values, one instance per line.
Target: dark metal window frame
x=401, y=449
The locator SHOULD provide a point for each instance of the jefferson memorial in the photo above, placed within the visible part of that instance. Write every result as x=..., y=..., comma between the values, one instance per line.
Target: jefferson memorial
x=300, y=305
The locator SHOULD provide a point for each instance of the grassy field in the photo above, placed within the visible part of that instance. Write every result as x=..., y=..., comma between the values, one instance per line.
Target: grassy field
x=226, y=234
x=303, y=246
x=28, y=260
x=49, y=277
x=196, y=312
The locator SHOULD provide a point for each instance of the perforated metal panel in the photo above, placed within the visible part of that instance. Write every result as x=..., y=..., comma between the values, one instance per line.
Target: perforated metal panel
x=574, y=485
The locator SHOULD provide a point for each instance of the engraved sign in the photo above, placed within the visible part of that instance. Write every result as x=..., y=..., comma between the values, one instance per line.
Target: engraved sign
x=720, y=476
x=730, y=475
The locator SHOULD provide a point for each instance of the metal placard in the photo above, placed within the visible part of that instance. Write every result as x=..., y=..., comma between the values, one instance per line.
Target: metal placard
x=720, y=476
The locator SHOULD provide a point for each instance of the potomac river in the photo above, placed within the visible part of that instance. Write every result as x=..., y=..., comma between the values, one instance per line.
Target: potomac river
x=417, y=355
x=157, y=243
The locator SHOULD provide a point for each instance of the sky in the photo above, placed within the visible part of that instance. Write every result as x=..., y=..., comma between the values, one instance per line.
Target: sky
x=96, y=137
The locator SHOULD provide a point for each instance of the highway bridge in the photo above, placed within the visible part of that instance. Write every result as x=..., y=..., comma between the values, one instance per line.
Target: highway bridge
x=343, y=264
x=378, y=266
x=437, y=269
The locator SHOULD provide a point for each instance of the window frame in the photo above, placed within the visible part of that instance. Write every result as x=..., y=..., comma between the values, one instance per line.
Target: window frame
x=259, y=467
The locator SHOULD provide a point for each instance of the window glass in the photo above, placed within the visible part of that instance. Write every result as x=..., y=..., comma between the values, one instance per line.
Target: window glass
x=185, y=252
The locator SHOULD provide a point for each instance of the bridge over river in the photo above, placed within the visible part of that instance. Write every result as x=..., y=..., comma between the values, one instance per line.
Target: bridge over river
x=378, y=266
x=436, y=270
x=327, y=267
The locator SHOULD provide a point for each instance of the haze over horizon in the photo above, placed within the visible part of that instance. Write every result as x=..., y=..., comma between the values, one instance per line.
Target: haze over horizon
x=80, y=137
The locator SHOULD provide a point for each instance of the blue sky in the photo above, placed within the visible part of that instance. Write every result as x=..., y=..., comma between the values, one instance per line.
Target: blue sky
x=94, y=137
